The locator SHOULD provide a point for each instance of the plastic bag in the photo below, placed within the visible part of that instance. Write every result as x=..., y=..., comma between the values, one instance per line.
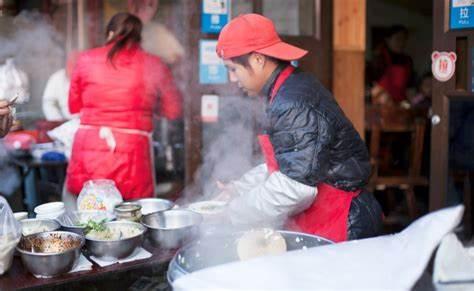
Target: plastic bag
x=99, y=194
x=13, y=83
x=10, y=234
x=65, y=134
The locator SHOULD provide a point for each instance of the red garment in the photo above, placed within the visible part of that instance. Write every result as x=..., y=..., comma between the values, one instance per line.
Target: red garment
x=121, y=96
x=395, y=78
x=328, y=214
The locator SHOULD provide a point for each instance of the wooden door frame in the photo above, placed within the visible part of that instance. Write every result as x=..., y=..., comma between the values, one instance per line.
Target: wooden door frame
x=444, y=39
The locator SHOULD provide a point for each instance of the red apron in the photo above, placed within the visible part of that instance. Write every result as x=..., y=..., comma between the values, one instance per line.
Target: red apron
x=395, y=79
x=327, y=216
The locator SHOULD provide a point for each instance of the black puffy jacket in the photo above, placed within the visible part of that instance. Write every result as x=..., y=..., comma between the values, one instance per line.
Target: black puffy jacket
x=314, y=143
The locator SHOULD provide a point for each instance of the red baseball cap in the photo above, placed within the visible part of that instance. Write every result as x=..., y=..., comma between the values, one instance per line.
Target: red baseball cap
x=254, y=33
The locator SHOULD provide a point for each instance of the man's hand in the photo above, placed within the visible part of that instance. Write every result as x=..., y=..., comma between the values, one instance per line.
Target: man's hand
x=6, y=118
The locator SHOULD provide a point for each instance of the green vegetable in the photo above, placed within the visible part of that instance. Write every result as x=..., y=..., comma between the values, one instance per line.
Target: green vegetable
x=93, y=225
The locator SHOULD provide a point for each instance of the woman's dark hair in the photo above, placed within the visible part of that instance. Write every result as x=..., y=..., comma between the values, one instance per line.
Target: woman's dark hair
x=394, y=29
x=244, y=60
x=127, y=30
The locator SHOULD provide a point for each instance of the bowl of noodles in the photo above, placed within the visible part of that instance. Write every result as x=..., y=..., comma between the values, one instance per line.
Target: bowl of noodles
x=115, y=240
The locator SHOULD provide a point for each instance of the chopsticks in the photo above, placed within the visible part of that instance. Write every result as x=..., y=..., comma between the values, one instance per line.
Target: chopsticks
x=12, y=102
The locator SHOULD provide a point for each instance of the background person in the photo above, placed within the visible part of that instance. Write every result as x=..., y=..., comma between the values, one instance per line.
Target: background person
x=156, y=38
x=56, y=92
x=116, y=89
x=391, y=71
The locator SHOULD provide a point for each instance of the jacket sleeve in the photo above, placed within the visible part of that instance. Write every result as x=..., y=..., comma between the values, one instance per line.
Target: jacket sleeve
x=250, y=180
x=301, y=137
x=170, y=98
x=271, y=201
x=75, y=90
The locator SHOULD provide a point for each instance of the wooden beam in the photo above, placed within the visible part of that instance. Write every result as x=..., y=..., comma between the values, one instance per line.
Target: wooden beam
x=349, y=30
x=349, y=24
x=348, y=86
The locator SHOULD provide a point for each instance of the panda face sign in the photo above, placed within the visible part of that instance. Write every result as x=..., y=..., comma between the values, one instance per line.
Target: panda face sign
x=443, y=65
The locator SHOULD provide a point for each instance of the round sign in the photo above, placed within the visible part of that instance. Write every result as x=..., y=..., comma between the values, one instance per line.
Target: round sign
x=443, y=65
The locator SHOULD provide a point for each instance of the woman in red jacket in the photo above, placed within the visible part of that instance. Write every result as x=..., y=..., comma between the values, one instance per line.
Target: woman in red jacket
x=116, y=89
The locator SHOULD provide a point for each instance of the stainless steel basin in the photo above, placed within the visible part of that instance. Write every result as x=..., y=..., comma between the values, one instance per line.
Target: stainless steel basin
x=116, y=249
x=221, y=249
x=49, y=264
x=172, y=228
x=152, y=205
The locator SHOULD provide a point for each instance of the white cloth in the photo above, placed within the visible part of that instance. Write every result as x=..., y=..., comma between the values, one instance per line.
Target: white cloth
x=139, y=254
x=65, y=134
x=55, y=97
x=453, y=262
x=392, y=262
x=265, y=199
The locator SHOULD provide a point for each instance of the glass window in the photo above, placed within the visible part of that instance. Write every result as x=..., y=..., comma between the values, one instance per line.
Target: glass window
x=291, y=17
x=241, y=7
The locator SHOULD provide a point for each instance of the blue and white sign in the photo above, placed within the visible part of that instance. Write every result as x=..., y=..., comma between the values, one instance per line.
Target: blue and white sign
x=215, y=14
x=462, y=14
x=211, y=67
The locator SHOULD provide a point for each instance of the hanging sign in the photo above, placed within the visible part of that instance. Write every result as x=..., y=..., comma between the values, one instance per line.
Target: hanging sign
x=209, y=108
x=211, y=67
x=461, y=14
x=443, y=65
x=215, y=14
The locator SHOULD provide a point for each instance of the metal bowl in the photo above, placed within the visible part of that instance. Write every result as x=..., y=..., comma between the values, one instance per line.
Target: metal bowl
x=221, y=249
x=37, y=225
x=49, y=264
x=152, y=205
x=70, y=221
x=116, y=249
x=172, y=228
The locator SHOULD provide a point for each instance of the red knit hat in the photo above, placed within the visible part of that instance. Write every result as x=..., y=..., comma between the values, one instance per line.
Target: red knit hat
x=254, y=33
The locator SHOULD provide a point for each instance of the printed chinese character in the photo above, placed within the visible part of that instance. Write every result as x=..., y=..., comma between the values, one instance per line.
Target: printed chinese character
x=464, y=13
x=443, y=66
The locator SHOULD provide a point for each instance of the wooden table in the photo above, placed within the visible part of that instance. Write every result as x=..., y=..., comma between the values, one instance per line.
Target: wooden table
x=114, y=277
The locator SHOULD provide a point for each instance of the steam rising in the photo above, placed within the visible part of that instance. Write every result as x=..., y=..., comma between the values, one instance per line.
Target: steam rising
x=37, y=49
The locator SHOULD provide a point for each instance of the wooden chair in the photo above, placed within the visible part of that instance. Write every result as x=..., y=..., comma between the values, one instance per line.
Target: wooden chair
x=383, y=119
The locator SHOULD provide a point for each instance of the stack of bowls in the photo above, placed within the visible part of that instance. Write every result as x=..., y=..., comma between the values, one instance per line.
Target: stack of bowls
x=37, y=225
x=50, y=210
x=20, y=215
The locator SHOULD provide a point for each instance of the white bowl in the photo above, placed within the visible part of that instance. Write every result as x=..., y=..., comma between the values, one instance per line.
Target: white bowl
x=51, y=215
x=49, y=208
x=20, y=215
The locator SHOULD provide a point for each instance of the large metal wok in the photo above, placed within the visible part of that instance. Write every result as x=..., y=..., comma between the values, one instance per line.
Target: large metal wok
x=221, y=249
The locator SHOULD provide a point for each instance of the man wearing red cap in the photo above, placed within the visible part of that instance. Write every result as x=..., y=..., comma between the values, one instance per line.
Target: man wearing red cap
x=316, y=164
